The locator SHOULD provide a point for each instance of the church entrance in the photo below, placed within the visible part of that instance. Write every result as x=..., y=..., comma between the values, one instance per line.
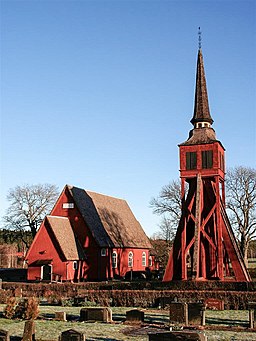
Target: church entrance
x=46, y=272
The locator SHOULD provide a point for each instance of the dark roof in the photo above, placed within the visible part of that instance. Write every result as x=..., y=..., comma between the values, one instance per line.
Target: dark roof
x=109, y=219
x=201, y=108
x=65, y=237
x=200, y=136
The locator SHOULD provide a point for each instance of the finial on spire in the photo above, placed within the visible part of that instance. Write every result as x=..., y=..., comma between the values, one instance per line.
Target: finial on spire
x=199, y=38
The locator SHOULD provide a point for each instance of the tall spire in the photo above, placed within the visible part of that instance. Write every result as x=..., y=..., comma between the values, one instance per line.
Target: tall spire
x=201, y=109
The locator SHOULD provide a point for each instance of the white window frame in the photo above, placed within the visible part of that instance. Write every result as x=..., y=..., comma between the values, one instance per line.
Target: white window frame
x=130, y=259
x=75, y=265
x=114, y=260
x=144, y=259
x=150, y=261
x=103, y=252
x=67, y=205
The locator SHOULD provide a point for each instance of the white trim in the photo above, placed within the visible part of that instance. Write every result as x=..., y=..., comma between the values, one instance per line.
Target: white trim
x=130, y=259
x=114, y=264
x=103, y=252
x=68, y=205
x=144, y=258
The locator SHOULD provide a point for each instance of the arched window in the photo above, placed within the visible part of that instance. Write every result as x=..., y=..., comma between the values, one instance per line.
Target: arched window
x=114, y=260
x=144, y=260
x=130, y=259
x=150, y=261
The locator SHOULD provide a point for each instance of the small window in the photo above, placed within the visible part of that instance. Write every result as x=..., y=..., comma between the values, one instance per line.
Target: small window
x=144, y=261
x=103, y=252
x=130, y=259
x=191, y=160
x=207, y=159
x=68, y=205
x=75, y=265
x=114, y=260
x=150, y=261
x=221, y=160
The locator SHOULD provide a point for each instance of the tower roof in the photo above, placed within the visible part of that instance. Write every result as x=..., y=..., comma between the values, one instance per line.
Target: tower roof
x=201, y=108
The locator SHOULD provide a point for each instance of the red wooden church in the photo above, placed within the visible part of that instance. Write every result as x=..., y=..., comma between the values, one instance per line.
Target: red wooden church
x=205, y=247
x=88, y=236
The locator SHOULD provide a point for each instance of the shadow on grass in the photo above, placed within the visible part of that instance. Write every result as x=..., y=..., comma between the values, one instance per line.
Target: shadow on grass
x=218, y=321
x=102, y=339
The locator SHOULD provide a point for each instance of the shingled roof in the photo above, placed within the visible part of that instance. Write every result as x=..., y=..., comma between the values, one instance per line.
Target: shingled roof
x=110, y=220
x=201, y=108
x=65, y=237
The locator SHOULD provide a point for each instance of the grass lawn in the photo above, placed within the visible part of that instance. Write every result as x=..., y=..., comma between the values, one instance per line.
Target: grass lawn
x=48, y=329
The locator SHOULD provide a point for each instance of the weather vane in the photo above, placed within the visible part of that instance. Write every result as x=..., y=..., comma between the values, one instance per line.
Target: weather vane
x=199, y=38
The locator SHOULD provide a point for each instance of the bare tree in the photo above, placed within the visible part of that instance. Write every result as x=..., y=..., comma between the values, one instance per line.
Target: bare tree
x=241, y=204
x=168, y=204
x=28, y=206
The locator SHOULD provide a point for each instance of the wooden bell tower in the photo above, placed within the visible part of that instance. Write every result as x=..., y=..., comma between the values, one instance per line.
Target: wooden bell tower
x=205, y=247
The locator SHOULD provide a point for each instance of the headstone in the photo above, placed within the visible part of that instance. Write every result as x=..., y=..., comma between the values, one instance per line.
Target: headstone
x=178, y=336
x=195, y=313
x=72, y=335
x=252, y=314
x=4, y=335
x=135, y=315
x=29, y=331
x=60, y=316
x=178, y=313
x=96, y=314
x=214, y=304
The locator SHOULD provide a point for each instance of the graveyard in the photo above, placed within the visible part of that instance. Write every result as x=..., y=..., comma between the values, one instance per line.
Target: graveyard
x=207, y=292
x=130, y=324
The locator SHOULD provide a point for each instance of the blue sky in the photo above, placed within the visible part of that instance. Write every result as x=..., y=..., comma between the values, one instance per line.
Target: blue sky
x=99, y=94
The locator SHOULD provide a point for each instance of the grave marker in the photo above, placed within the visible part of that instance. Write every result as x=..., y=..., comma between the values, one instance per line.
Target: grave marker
x=60, y=316
x=214, y=304
x=135, y=315
x=196, y=313
x=4, y=335
x=72, y=335
x=252, y=314
x=96, y=314
x=178, y=313
x=29, y=331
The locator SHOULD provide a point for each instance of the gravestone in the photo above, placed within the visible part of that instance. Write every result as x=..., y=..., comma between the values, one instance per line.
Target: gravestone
x=60, y=316
x=178, y=336
x=214, y=304
x=196, y=313
x=96, y=314
x=4, y=335
x=29, y=331
x=135, y=315
x=252, y=314
x=178, y=313
x=72, y=335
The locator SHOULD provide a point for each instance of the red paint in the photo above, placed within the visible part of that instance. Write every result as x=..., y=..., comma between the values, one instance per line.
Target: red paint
x=204, y=246
x=96, y=266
